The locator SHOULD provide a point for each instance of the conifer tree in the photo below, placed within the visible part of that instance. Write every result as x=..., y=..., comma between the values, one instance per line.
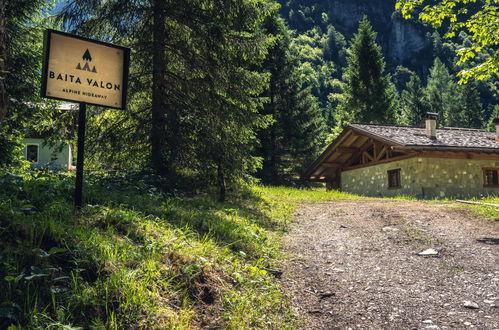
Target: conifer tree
x=368, y=96
x=21, y=36
x=334, y=47
x=298, y=128
x=3, y=57
x=442, y=94
x=194, y=80
x=471, y=114
x=490, y=126
x=413, y=102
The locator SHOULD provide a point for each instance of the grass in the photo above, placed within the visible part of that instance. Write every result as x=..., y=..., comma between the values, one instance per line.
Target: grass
x=491, y=212
x=134, y=258
x=417, y=235
x=294, y=196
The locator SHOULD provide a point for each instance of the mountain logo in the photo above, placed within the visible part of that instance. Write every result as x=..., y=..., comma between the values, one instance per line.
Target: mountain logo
x=86, y=67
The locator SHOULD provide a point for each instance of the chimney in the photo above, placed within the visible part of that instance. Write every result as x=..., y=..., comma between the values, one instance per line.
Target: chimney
x=496, y=122
x=431, y=125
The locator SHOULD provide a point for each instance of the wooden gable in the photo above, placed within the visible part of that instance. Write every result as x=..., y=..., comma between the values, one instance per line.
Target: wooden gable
x=350, y=150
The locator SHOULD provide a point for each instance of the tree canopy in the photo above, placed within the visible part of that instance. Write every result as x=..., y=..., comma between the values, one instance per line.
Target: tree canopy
x=477, y=17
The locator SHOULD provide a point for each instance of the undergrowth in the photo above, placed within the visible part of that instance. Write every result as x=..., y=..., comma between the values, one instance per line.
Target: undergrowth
x=135, y=258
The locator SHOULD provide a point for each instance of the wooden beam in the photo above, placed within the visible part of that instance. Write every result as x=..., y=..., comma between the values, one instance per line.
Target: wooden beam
x=332, y=165
x=327, y=153
x=347, y=149
x=458, y=155
x=383, y=151
x=451, y=154
x=359, y=153
x=321, y=173
x=367, y=155
x=382, y=161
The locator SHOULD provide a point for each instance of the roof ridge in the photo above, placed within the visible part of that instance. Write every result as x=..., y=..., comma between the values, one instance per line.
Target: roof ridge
x=420, y=127
x=407, y=126
x=464, y=129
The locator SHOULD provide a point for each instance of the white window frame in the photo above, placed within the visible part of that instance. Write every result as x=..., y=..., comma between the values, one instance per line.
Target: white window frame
x=37, y=152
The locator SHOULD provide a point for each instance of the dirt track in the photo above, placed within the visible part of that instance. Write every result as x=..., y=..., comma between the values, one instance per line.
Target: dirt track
x=355, y=264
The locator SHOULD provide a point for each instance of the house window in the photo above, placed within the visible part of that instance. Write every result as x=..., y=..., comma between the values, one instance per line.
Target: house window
x=394, y=179
x=32, y=153
x=490, y=177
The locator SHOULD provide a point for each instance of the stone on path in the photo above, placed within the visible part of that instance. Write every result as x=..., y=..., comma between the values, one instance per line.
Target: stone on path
x=470, y=305
x=428, y=252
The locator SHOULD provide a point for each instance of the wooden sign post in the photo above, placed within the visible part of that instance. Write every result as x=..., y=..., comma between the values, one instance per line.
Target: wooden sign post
x=86, y=71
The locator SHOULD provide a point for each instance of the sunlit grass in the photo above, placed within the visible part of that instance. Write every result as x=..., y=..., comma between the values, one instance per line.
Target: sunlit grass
x=491, y=212
x=134, y=258
x=300, y=195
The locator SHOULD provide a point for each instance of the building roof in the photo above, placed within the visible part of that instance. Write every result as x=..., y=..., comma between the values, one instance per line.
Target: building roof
x=366, y=144
x=447, y=138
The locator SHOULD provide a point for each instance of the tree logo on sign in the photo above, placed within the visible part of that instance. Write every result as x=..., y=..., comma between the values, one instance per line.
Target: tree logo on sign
x=87, y=58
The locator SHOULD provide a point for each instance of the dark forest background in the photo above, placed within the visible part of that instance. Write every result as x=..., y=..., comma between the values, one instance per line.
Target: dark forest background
x=226, y=91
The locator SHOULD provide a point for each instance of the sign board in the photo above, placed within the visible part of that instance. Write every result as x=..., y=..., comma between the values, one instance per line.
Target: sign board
x=78, y=69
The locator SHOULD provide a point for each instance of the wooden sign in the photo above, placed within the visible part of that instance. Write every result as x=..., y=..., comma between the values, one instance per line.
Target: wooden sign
x=83, y=70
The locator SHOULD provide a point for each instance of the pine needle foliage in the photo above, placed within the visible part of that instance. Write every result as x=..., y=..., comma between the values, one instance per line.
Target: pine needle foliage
x=367, y=95
x=298, y=128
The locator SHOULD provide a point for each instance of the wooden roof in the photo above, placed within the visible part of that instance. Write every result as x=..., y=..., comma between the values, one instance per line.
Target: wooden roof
x=365, y=145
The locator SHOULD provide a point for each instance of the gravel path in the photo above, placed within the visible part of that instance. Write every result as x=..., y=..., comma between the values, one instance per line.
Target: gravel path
x=355, y=264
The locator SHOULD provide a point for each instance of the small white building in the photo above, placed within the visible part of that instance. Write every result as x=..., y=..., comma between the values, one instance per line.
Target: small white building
x=42, y=154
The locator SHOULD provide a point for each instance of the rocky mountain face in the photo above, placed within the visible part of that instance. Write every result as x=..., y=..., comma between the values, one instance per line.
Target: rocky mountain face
x=404, y=42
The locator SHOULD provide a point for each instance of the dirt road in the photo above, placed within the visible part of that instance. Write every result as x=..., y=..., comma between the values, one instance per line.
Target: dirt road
x=355, y=264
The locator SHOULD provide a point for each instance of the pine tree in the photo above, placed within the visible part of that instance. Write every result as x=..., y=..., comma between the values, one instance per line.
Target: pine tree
x=3, y=57
x=298, y=127
x=334, y=48
x=442, y=95
x=471, y=115
x=21, y=36
x=413, y=102
x=490, y=126
x=368, y=96
x=194, y=80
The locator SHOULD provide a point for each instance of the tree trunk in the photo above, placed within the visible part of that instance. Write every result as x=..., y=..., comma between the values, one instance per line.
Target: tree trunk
x=158, y=116
x=3, y=66
x=273, y=136
x=221, y=183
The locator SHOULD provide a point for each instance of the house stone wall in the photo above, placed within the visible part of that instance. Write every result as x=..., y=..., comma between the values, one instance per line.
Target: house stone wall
x=422, y=178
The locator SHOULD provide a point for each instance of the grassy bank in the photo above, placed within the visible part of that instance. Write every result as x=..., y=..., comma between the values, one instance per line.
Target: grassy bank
x=134, y=258
x=491, y=212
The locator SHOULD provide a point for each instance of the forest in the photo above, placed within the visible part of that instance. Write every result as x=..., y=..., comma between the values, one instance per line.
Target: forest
x=226, y=96
x=223, y=96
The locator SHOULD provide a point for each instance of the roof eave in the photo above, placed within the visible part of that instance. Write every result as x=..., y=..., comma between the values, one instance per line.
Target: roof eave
x=311, y=168
x=449, y=148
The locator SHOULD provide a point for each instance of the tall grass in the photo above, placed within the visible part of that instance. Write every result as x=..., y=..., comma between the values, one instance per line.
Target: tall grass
x=135, y=258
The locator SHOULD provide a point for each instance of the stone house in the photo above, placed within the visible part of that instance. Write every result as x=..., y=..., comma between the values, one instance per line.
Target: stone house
x=383, y=160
